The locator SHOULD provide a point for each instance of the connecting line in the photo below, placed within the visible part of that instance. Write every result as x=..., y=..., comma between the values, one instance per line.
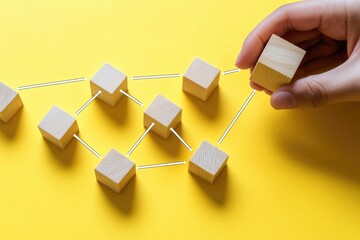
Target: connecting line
x=87, y=146
x=160, y=165
x=140, y=139
x=131, y=97
x=231, y=71
x=237, y=116
x=180, y=138
x=157, y=76
x=87, y=103
x=51, y=83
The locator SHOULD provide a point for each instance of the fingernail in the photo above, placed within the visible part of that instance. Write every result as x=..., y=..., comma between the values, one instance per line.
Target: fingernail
x=284, y=100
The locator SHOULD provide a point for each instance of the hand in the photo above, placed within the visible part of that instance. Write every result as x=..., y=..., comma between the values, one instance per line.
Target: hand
x=329, y=31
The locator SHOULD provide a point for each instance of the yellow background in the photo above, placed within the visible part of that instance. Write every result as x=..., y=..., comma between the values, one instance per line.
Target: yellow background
x=290, y=175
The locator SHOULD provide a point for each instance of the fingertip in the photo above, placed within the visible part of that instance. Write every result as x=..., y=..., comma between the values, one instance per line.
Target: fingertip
x=256, y=86
x=238, y=62
x=283, y=100
x=246, y=58
x=241, y=61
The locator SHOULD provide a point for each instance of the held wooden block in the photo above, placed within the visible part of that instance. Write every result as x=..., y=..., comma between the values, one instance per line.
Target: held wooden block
x=277, y=64
x=115, y=171
x=58, y=127
x=207, y=162
x=201, y=79
x=164, y=114
x=109, y=81
x=10, y=103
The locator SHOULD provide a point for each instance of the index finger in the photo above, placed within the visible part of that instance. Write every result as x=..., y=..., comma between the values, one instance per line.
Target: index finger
x=300, y=16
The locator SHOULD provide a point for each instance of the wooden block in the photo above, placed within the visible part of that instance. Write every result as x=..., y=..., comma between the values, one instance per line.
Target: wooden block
x=109, y=81
x=201, y=79
x=10, y=103
x=277, y=64
x=207, y=162
x=164, y=114
x=58, y=127
x=115, y=171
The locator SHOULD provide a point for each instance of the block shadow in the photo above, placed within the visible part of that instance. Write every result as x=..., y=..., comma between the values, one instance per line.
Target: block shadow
x=216, y=191
x=171, y=145
x=118, y=112
x=10, y=129
x=326, y=139
x=123, y=201
x=65, y=157
x=208, y=108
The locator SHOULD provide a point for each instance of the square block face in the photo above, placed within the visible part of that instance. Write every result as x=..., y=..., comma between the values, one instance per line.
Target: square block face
x=207, y=162
x=115, y=171
x=109, y=81
x=201, y=79
x=277, y=64
x=164, y=114
x=58, y=127
x=10, y=103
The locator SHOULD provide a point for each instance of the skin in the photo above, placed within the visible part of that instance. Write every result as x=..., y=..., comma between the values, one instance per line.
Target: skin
x=329, y=30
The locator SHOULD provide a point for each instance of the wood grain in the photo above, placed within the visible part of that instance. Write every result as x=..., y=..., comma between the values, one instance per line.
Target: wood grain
x=58, y=127
x=277, y=64
x=115, y=171
x=109, y=81
x=164, y=114
x=201, y=79
x=10, y=103
x=207, y=162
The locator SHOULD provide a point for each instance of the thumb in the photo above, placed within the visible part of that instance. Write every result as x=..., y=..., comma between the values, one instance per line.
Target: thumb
x=341, y=84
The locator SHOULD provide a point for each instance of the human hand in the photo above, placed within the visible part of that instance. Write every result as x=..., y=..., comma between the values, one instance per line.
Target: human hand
x=329, y=30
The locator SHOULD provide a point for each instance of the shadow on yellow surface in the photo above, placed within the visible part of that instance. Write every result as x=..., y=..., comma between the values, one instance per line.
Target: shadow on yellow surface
x=327, y=139
x=216, y=191
x=123, y=201
x=10, y=129
x=117, y=113
x=208, y=108
x=64, y=157
x=171, y=145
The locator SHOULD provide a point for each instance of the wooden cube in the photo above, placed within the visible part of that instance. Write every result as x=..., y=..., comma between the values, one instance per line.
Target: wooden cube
x=115, y=171
x=277, y=64
x=58, y=127
x=201, y=79
x=10, y=103
x=109, y=81
x=207, y=162
x=164, y=114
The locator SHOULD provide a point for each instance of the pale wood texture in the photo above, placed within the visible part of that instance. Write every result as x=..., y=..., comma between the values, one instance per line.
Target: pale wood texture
x=109, y=81
x=277, y=64
x=10, y=103
x=201, y=79
x=207, y=162
x=58, y=127
x=164, y=114
x=115, y=171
